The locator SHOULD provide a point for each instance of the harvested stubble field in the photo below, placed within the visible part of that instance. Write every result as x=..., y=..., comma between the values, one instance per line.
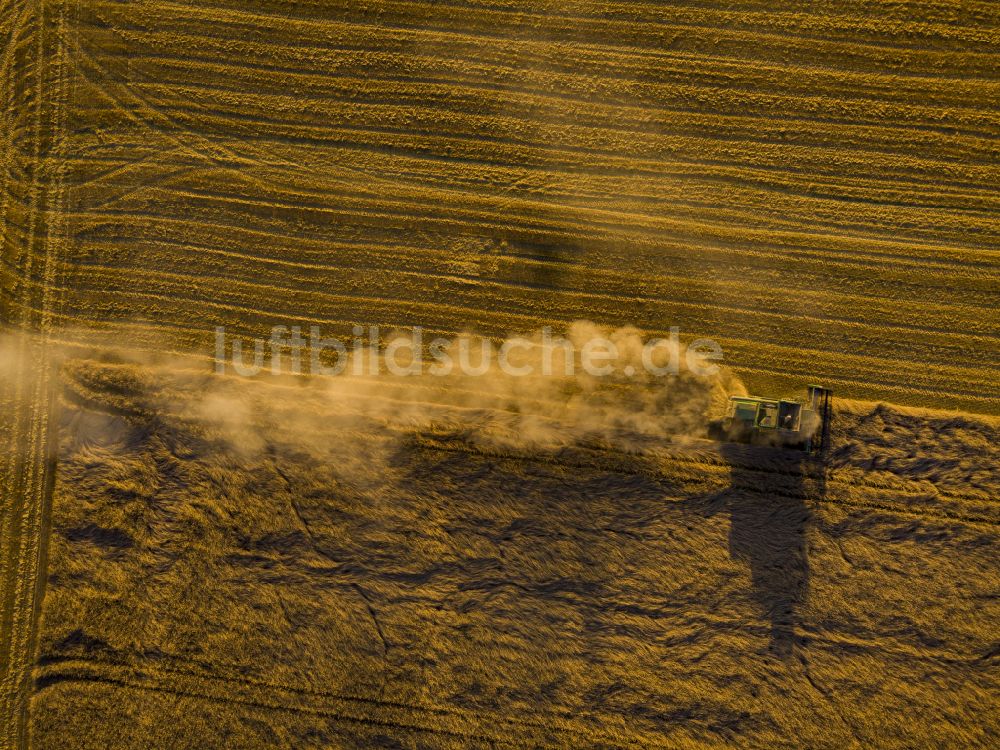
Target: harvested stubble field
x=812, y=185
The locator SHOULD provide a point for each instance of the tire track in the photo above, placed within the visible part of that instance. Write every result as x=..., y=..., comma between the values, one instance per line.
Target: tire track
x=251, y=693
x=29, y=474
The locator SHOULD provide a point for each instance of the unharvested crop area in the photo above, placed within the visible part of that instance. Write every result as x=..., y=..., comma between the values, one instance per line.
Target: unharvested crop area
x=813, y=185
x=215, y=583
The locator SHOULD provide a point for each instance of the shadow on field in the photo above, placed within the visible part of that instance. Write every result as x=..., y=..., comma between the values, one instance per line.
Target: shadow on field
x=769, y=520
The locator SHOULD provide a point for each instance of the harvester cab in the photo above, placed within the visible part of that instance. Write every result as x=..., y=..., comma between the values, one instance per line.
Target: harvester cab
x=787, y=423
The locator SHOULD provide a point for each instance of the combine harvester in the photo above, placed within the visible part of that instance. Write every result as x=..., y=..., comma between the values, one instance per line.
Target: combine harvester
x=784, y=423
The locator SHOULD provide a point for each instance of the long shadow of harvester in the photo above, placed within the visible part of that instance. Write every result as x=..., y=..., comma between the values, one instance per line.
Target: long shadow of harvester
x=768, y=505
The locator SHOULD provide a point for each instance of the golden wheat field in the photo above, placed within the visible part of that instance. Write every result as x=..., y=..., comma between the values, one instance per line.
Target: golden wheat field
x=194, y=559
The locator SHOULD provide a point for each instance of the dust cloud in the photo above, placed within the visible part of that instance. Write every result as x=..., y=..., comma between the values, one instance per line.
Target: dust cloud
x=348, y=416
x=545, y=398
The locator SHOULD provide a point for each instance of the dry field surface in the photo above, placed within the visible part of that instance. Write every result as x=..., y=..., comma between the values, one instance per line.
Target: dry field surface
x=814, y=185
x=378, y=585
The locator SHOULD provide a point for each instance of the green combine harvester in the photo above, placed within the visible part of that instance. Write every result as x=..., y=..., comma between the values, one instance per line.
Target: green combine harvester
x=784, y=423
